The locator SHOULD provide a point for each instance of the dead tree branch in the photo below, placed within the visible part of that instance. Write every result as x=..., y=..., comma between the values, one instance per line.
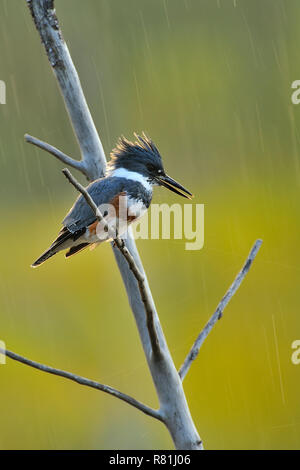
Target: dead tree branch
x=174, y=411
x=219, y=311
x=173, y=404
x=84, y=381
x=78, y=165
x=92, y=153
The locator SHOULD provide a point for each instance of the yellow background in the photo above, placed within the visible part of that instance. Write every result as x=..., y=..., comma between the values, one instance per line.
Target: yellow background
x=210, y=82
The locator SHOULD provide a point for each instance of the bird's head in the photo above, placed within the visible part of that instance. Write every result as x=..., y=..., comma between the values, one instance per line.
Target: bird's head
x=143, y=159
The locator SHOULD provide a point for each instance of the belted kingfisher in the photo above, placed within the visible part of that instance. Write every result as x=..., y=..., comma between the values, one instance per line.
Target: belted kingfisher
x=132, y=172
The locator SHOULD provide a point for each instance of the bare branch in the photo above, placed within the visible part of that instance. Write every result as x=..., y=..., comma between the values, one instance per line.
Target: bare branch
x=45, y=19
x=129, y=258
x=173, y=404
x=219, y=311
x=84, y=381
x=78, y=165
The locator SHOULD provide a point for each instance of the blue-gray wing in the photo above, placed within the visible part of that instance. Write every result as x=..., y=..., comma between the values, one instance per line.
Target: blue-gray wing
x=102, y=191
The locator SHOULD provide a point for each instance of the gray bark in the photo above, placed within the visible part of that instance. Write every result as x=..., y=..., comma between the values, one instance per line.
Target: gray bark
x=174, y=409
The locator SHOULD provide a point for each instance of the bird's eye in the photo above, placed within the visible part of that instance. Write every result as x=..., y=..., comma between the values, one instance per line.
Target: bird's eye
x=159, y=171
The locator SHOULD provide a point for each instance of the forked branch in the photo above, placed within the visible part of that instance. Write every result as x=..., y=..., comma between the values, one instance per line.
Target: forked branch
x=92, y=153
x=174, y=410
x=172, y=400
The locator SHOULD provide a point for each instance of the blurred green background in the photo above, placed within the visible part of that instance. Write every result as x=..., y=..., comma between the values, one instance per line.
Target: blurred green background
x=210, y=82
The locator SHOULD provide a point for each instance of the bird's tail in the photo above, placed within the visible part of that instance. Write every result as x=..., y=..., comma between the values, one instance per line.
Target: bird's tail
x=58, y=245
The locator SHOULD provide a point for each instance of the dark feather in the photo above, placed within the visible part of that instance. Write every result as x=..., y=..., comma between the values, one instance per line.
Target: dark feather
x=76, y=249
x=63, y=236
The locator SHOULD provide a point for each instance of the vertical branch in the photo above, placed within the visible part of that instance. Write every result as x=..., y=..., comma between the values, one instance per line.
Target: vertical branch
x=46, y=22
x=173, y=404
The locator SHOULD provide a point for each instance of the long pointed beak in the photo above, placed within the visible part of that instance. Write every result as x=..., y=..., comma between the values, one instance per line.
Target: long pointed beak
x=172, y=185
